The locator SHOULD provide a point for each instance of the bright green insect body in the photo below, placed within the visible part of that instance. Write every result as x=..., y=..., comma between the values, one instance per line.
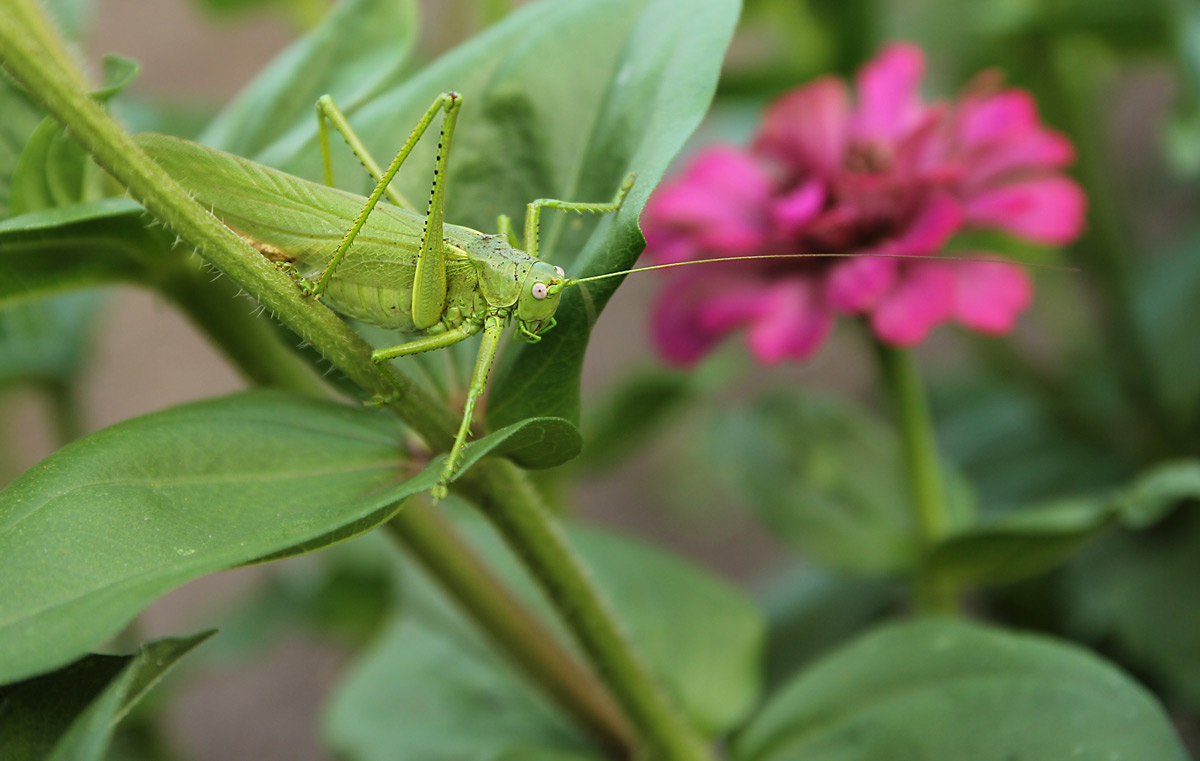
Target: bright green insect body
x=386, y=264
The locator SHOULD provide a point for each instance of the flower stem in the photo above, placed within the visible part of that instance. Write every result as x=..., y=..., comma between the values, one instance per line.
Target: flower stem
x=911, y=408
x=507, y=498
x=497, y=611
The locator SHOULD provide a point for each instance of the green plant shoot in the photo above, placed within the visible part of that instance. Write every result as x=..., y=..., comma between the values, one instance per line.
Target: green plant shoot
x=384, y=263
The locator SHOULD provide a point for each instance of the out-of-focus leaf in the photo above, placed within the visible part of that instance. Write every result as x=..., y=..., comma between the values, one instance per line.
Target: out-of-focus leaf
x=1167, y=307
x=1025, y=543
x=811, y=611
x=79, y=246
x=1022, y=543
x=824, y=476
x=358, y=51
x=936, y=690
x=433, y=689
x=70, y=714
x=1136, y=594
x=46, y=340
x=634, y=411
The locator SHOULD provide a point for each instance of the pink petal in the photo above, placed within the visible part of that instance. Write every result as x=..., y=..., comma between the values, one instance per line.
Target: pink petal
x=805, y=129
x=991, y=295
x=697, y=309
x=997, y=118
x=794, y=324
x=937, y=220
x=1044, y=209
x=1039, y=150
x=716, y=206
x=889, y=103
x=923, y=298
x=855, y=285
x=794, y=211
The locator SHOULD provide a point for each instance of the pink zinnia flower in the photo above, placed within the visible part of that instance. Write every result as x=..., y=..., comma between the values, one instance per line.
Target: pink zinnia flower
x=889, y=174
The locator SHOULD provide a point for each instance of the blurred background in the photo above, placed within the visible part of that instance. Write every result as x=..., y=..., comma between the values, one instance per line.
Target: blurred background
x=1101, y=381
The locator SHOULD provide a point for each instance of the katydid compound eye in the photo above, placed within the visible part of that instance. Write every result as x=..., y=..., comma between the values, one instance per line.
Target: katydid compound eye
x=539, y=291
x=561, y=272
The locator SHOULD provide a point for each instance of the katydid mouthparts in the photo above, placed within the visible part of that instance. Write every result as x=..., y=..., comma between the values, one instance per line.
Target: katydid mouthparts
x=387, y=265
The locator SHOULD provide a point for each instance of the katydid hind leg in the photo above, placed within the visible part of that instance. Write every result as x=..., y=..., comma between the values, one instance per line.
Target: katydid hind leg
x=483, y=366
x=328, y=113
x=533, y=211
x=429, y=282
x=447, y=101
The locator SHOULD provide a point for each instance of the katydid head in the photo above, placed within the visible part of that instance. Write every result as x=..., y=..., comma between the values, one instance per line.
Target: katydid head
x=539, y=297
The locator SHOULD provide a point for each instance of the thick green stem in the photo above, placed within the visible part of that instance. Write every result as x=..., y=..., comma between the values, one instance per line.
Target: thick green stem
x=498, y=612
x=926, y=484
x=514, y=507
x=116, y=151
x=64, y=407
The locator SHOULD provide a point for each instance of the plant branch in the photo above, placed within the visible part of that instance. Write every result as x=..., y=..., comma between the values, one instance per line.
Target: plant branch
x=498, y=612
x=507, y=498
x=116, y=151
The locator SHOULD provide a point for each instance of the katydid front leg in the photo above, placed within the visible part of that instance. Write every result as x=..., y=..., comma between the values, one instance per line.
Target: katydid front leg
x=533, y=211
x=493, y=327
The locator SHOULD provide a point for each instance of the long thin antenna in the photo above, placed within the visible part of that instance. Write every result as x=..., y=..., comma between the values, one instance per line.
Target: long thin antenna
x=576, y=281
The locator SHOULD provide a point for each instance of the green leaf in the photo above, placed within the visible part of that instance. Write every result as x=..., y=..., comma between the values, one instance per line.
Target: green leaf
x=107, y=524
x=1029, y=542
x=70, y=714
x=357, y=51
x=811, y=611
x=824, y=476
x=434, y=689
x=633, y=413
x=561, y=100
x=79, y=246
x=104, y=526
x=53, y=169
x=1136, y=594
x=936, y=690
x=46, y=340
x=650, y=96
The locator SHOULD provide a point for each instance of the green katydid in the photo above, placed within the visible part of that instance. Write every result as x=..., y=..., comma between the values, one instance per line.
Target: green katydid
x=386, y=264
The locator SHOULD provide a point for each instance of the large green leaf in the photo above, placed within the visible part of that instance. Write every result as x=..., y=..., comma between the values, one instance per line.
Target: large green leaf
x=358, y=49
x=70, y=714
x=105, y=525
x=561, y=100
x=938, y=690
x=434, y=689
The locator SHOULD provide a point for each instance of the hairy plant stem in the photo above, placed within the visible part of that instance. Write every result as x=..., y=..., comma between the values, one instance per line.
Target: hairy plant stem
x=497, y=485
x=115, y=150
x=506, y=497
x=911, y=408
x=497, y=611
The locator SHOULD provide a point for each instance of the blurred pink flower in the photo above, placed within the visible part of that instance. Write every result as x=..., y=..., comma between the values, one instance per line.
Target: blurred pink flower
x=889, y=174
